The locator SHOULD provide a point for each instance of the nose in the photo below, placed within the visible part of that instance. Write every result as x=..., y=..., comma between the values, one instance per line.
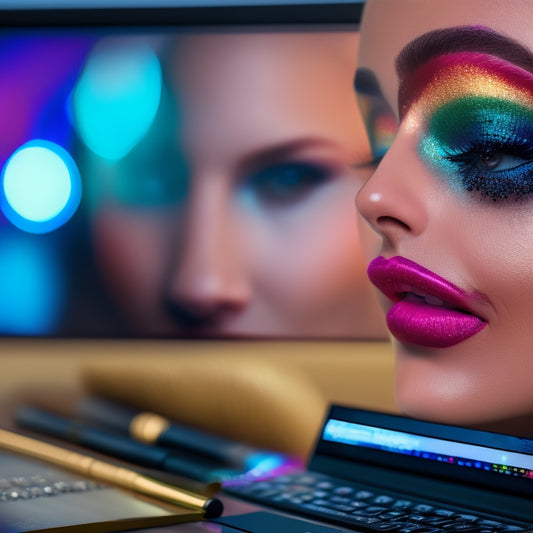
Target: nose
x=394, y=201
x=208, y=278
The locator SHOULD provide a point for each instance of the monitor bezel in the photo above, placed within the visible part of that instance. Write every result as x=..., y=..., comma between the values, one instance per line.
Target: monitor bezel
x=305, y=13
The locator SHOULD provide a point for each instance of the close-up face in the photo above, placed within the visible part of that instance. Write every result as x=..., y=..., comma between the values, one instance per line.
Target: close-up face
x=249, y=228
x=452, y=200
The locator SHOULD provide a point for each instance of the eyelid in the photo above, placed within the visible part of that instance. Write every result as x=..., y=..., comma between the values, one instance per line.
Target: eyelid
x=488, y=125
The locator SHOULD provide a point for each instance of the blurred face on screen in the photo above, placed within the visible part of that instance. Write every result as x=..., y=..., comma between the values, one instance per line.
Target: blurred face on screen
x=232, y=212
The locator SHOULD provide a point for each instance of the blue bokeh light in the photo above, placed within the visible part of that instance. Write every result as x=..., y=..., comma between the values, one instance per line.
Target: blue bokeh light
x=31, y=293
x=40, y=187
x=117, y=97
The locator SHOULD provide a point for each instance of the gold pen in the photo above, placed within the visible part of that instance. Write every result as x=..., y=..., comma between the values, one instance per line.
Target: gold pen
x=109, y=473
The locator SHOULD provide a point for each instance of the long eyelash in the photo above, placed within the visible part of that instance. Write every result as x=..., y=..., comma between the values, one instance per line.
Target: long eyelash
x=497, y=185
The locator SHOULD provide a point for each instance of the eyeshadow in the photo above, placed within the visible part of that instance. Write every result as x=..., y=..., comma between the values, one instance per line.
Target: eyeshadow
x=453, y=75
x=476, y=118
x=378, y=116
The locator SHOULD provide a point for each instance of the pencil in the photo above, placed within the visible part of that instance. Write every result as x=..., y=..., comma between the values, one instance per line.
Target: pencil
x=109, y=473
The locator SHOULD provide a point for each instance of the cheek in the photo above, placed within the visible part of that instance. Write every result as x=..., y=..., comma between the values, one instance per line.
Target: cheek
x=129, y=251
x=455, y=388
x=490, y=376
x=318, y=261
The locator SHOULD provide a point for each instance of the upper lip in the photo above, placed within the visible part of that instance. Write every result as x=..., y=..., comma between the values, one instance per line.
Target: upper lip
x=397, y=276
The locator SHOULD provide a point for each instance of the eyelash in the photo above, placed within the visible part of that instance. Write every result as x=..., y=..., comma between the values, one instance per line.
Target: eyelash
x=515, y=181
x=286, y=183
x=483, y=145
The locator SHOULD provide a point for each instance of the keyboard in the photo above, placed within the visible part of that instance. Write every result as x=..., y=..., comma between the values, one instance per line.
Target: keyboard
x=368, y=509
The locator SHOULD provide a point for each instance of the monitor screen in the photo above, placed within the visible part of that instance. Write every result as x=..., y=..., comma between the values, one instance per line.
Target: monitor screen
x=167, y=177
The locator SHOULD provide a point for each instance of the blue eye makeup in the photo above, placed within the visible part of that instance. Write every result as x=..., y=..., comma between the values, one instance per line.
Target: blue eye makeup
x=284, y=184
x=482, y=145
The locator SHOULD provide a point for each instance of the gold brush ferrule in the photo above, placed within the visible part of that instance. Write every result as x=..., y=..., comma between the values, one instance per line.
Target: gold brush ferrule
x=148, y=427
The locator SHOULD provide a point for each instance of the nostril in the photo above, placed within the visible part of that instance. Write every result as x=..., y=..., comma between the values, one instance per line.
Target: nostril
x=390, y=221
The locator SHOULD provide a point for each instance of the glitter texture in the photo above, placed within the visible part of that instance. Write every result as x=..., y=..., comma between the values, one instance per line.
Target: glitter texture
x=476, y=113
x=456, y=75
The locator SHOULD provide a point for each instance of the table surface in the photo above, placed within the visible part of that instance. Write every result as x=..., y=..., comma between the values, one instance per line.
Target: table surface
x=232, y=506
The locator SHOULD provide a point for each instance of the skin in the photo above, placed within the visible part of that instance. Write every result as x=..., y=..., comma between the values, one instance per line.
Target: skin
x=229, y=260
x=483, y=247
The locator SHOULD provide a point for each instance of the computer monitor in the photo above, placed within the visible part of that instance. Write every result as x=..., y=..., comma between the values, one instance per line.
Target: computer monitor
x=137, y=198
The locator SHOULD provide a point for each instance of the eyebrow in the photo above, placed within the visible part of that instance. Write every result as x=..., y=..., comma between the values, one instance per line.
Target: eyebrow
x=285, y=151
x=445, y=41
x=461, y=39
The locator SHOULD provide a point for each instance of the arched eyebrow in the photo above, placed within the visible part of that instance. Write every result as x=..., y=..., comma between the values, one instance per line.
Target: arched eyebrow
x=436, y=43
x=461, y=39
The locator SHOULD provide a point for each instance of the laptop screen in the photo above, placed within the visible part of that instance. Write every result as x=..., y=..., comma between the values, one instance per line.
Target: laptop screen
x=443, y=451
x=164, y=172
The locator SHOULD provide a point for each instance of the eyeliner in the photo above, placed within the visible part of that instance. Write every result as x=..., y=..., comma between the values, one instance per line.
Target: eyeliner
x=121, y=446
x=151, y=428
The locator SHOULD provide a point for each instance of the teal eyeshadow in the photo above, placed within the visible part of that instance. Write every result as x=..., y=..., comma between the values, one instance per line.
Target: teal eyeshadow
x=470, y=126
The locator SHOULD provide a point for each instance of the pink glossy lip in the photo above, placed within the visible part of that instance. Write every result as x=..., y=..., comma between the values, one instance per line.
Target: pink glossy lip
x=428, y=310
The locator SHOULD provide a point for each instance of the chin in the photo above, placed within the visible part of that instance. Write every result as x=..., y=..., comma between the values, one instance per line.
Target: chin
x=440, y=385
x=446, y=400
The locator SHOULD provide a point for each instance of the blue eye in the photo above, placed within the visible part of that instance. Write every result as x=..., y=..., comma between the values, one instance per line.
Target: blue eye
x=482, y=145
x=286, y=183
x=498, y=172
x=497, y=160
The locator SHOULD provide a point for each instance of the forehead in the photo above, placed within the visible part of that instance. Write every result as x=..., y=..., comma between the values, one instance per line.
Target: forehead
x=388, y=25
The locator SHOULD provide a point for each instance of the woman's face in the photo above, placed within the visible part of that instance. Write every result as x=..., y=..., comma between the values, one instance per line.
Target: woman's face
x=255, y=233
x=452, y=200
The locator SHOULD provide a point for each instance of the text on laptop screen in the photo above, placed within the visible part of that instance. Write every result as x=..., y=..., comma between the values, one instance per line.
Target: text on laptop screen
x=432, y=449
x=400, y=448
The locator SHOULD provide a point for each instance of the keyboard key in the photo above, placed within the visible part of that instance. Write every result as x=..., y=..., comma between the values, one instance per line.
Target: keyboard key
x=387, y=526
x=358, y=504
x=393, y=514
x=343, y=491
x=490, y=523
x=340, y=499
x=402, y=504
x=423, y=508
x=417, y=518
x=369, y=510
x=363, y=495
x=467, y=517
x=341, y=507
x=383, y=500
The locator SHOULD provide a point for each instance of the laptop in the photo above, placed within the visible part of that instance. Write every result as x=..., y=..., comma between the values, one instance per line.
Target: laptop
x=375, y=472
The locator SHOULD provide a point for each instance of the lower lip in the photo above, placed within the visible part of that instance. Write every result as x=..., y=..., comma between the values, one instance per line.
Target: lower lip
x=431, y=326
